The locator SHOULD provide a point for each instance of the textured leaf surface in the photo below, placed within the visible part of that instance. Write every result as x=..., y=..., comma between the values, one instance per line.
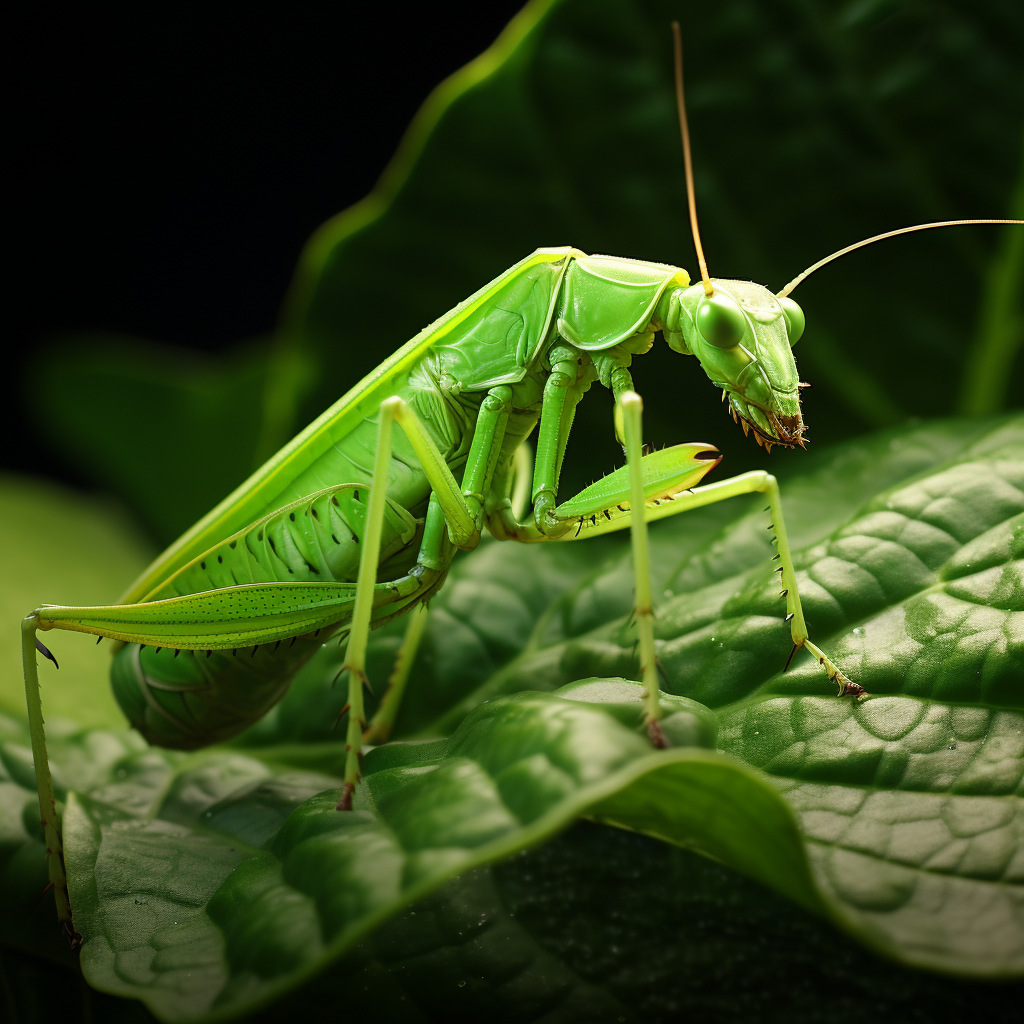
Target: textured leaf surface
x=596, y=925
x=222, y=884
x=210, y=883
x=911, y=566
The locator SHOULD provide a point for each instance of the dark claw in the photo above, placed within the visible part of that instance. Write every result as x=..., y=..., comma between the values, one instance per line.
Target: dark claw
x=792, y=655
x=74, y=939
x=656, y=735
x=41, y=648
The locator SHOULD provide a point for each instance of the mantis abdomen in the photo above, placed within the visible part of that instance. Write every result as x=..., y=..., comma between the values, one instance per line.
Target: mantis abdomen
x=186, y=699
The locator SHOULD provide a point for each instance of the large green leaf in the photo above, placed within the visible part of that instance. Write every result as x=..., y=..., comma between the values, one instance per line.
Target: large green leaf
x=516, y=617
x=213, y=882
x=597, y=925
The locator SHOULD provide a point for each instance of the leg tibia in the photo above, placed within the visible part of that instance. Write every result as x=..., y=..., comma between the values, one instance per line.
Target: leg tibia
x=44, y=783
x=632, y=409
x=355, y=655
x=387, y=712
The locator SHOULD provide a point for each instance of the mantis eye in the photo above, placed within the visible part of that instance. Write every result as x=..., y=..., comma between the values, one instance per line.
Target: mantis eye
x=720, y=321
x=794, y=319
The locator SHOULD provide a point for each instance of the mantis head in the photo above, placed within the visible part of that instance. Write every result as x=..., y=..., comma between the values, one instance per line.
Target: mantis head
x=743, y=336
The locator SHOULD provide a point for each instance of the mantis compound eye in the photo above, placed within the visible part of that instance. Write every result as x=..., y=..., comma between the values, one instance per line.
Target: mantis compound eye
x=720, y=320
x=794, y=319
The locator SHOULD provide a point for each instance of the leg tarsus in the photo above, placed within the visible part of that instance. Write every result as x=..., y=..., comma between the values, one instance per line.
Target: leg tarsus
x=345, y=803
x=656, y=734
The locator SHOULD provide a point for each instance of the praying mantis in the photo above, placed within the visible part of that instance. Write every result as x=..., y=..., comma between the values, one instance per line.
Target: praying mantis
x=355, y=522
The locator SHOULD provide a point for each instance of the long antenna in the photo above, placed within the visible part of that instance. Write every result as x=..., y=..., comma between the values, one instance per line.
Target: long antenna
x=684, y=129
x=878, y=238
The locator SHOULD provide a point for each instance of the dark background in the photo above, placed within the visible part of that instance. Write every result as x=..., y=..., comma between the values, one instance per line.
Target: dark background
x=170, y=167
x=168, y=170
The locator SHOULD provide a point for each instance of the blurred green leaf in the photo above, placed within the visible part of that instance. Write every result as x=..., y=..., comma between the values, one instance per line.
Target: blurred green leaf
x=62, y=547
x=172, y=432
x=814, y=125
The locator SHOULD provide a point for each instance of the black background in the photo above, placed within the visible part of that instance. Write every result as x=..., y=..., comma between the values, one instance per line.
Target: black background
x=169, y=165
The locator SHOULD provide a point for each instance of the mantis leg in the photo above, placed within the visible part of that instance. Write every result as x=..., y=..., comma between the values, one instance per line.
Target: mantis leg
x=480, y=466
x=643, y=609
x=458, y=513
x=746, y=483
x=369, y=557
x=450, y=505
x=44, y=783
x=384, y=719
x=522, y=475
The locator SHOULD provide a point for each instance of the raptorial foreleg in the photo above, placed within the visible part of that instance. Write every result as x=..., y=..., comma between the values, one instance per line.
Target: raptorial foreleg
x=757, y=481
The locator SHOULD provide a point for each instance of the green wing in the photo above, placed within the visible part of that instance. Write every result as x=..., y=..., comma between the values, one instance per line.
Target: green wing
x=256, y=496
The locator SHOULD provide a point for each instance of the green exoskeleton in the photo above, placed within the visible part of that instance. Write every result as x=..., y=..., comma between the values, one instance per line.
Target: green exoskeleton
x=357, y=520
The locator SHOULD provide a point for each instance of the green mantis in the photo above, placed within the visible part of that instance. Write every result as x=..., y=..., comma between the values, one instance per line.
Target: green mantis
x=357, y=520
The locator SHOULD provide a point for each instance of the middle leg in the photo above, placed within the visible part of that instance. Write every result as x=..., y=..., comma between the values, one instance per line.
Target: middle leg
x=643, y=608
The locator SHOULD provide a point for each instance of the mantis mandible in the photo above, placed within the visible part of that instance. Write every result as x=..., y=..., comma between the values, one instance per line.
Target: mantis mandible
x=355, y=522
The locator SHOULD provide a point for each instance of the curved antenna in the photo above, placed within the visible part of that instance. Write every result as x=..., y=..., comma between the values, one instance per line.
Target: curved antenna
x=878, y=238
x=684, y=129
